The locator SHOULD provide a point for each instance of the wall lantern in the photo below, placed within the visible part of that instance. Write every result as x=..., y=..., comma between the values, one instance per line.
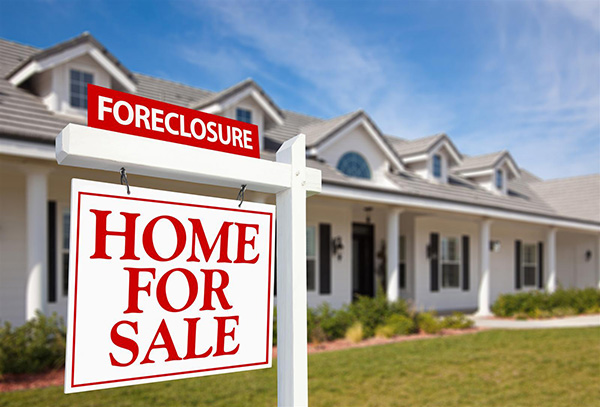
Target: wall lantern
x=588, y=255
x=337, y=247
x=495, y=246
x=368, y=210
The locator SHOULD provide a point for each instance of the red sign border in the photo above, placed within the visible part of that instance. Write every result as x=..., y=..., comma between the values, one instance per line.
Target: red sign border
x=266, y=362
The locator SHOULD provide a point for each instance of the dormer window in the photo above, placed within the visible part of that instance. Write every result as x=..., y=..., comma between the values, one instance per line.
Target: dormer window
x=437, y=166
x=78, y=88
x=354, y=165
x=499, y=180
x=243, y=115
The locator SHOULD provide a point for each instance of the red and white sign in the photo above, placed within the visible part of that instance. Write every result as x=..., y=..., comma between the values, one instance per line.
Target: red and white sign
x=166, y=285
x=121, y=112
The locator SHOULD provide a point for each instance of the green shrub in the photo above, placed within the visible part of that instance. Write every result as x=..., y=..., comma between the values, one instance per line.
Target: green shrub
x=457, y=320
x=563, y=311
x=355, y=333
x=401, y=324
x=36, y=346
x=542, y=304
x=370, y=312
x=384, y=331
x=428, y=322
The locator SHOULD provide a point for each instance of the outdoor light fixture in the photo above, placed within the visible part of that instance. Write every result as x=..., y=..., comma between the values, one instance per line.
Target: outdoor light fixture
x=588, y=255
x=368, y=210
x=337, y=247
x=495, y=246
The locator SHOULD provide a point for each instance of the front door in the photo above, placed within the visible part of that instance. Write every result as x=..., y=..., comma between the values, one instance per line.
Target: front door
x=362, y=260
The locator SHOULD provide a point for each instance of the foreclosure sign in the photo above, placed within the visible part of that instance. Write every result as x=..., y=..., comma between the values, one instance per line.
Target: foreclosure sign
x=166, y=285
x=121, y=112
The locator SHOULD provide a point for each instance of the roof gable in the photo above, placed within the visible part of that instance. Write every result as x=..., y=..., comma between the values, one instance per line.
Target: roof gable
x=482, y=164
x=65, y=51
x=322, y=134
x=420, y=149
x=218, y=102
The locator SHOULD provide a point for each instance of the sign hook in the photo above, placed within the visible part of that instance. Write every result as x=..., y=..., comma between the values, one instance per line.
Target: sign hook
x=124, y=179
x=241, y=194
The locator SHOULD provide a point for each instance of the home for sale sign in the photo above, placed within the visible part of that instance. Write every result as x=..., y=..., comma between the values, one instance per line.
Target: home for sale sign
x=166, y=285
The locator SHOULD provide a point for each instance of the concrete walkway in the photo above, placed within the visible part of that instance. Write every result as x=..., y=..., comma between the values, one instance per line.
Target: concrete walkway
x=568, y=322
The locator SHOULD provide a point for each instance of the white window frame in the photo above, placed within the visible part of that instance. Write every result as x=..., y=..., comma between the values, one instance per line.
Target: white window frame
x=441, y=176
x=529, y=264
x=69, y=93
x=458, y=262
x=499, y=175
x=246, y=110
x=314, y=257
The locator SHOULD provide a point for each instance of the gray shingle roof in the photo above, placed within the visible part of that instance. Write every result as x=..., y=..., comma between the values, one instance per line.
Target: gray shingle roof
x=80, y=39
x=576, y=197
x=23, y=115
x=318, y=131
x=238, y=87
x=480, y=161
x=412, y=147
x=169, y=92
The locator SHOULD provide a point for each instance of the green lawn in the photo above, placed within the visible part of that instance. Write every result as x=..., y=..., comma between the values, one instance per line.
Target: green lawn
x=493, y=368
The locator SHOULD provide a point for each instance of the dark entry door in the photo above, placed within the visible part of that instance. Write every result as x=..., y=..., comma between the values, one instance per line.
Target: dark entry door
x=363, y=275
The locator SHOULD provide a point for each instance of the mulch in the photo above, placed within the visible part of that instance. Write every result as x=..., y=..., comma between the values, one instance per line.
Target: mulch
x=13, y=382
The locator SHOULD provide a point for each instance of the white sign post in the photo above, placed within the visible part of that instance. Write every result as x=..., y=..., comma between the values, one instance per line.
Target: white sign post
x=288, y=178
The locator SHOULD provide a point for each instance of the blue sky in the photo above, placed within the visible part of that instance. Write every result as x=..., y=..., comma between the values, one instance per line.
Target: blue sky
x=516, y=75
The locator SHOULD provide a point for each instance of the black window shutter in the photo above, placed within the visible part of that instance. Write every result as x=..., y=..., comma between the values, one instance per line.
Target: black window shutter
x=465, y=263
x=402, y=279
x=324, y=258
x=434, y=272
x=51, y=251
x=518, y=264
x=540, y=265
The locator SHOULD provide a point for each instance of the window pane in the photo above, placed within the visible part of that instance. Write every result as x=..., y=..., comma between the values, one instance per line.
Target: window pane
x=450, y=275
x=75, y=88
x=310, y=274
x=499, y=179
x=449, y=249
x=87, y=78
x=310, y=241
x=75, y=101
x=354, y=165
x=529, y=254
x=75, y=75
x=529, y=275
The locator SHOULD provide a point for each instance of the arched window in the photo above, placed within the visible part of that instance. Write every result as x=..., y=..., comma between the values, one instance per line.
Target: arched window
x=354, y=165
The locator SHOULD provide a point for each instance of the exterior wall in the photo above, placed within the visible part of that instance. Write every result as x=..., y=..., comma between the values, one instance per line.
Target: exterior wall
x=13, y=257
x=574, y=269
x=445, y=298
x=502, y=275
x=359, y=141
x=339, y=217
x=258, y=116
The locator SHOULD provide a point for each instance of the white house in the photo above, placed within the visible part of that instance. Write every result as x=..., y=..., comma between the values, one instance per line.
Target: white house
x=414, y=217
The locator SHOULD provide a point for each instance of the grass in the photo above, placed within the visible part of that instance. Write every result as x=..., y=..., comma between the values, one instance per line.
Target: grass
x=492, y=368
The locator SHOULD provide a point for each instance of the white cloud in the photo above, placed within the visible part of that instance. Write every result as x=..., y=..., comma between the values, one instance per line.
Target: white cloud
x=535, y=91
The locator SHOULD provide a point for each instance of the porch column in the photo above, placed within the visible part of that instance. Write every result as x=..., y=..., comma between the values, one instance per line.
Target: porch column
x=484, y=259
x=551, y=259
x=37, y=235
x=393, y=250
